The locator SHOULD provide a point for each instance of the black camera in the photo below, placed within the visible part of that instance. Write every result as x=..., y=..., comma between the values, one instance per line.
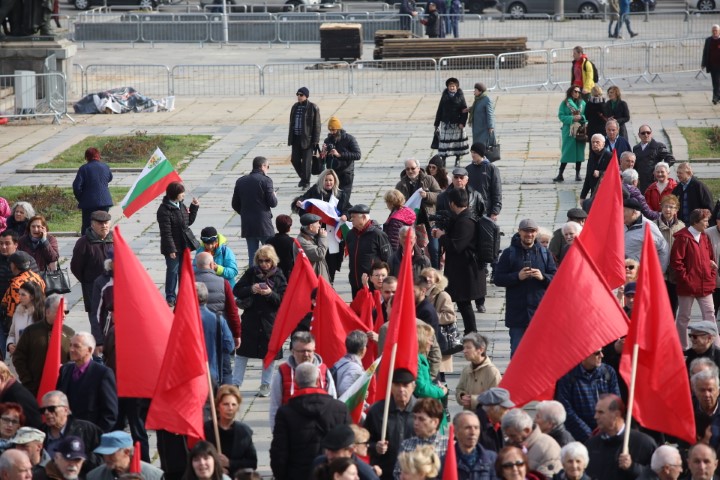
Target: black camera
x=441, y=219
x=329, y=147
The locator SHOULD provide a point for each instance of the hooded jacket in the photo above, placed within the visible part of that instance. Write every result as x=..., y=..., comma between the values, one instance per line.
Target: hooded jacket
x=403, y=216
x=691, y=262
x=224, y=258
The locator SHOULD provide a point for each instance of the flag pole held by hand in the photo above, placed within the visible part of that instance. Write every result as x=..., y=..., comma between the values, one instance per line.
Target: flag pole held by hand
x=631, y=400
x=386, y=410
x=213, y=413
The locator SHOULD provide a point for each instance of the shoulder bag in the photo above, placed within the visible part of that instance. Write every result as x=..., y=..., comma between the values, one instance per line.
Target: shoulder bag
x=492, y=148
x=56, y=281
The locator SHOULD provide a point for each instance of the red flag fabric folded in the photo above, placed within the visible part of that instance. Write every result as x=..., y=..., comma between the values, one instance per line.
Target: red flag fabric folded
x=295, y=304
x=53, y=362
x=182, y=388
x=142, y=324
x=135, y=465
x=402, y=325
x=604, y=230
x=450, y=471
x=332, y=322
x=577, y=316
x=662, y=390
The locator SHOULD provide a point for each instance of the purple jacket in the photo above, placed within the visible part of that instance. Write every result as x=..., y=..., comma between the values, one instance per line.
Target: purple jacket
x=636, y=194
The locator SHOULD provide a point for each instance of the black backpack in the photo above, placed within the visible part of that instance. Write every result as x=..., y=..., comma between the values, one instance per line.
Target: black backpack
x=596, y=76
x=487, y=240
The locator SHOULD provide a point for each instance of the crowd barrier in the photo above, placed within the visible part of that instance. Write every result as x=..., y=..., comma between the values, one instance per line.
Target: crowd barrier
x=304, y=27
x=27, y=94
x=534, y=69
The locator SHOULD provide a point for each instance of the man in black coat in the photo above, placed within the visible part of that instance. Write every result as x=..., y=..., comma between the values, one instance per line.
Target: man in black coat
x=399, y=424
x=366, y=244
x=13, y=391
x=692, y=192
x=301, y=424
x=89, y=386
x=341, y=150
x=484, y=178
x=304, y=135
x=476, y=202
x=711, y=61
x=647, y=154
x=252, y=199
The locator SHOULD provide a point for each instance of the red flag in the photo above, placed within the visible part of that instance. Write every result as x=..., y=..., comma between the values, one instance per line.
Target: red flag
x=295, y=304
x=142, y=324
x=135, y=465
x=576, y=323
x=53, y=362
x=402, y=325
x=363, y=305
x=182, y=388
x=332, y=323
x=450, y=471
x=662, y=390
x=604, y=230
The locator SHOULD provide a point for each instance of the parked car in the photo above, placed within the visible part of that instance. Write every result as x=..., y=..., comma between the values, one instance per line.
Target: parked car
x=85, y=4
x=641, y=5
x=477, y=6
x=703, y=5
x=518, y=8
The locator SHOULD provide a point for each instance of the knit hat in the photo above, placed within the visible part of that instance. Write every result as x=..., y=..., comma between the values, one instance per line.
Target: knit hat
x=334, y=123
x=304, y=91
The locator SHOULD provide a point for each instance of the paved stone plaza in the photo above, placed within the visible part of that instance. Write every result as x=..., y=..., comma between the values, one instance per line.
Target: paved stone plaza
x=389, y=129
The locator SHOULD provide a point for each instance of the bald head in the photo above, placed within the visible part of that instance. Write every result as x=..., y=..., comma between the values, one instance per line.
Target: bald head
x=15, y=465
x=203, y=260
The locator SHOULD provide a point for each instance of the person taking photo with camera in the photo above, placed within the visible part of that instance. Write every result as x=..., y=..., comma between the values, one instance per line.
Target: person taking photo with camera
x=340, y=150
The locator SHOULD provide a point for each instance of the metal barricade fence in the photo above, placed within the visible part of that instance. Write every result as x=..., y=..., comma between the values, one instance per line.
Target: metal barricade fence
x=408, y=75
x=701, y=23
x=77, y=85
x=468, y=26
x=243, y=29
x=625, y=60
x=523, y=70
x=537, y=28
x=659, y=25
x=216, y=80
x=561, y=64
x=326, y=78
x=180, y=28
x=578, y=28
x=124, y=28
x=468, y=69
x=150, y=80
x=30, y=94
x=676, y=56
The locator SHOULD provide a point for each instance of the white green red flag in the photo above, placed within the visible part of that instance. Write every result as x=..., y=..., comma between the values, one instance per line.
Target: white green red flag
x=354, y=397
x=329, y=215
x=415, y=201
x=152, y=182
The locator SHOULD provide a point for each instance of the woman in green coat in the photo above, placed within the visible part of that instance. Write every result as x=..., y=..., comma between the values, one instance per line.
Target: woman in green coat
x=571, y=113
x=424, y=385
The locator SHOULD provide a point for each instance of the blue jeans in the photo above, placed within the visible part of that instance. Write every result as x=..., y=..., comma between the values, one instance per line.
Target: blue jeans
x=253, y=244
x=516, y=334
x=433, y=249
x=623, y=18
x=241, y=365
x=172, y=269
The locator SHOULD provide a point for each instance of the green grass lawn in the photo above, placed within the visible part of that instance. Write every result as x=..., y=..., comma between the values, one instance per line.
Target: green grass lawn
x=57, y=204
x=702, y=142
x=133, y=150
x=714, y=186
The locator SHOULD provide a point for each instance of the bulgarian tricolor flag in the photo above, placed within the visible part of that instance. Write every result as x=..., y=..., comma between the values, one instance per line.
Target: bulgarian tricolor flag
x=337, y=229
x=354, y=397
x=415, y=201
x=152, y=182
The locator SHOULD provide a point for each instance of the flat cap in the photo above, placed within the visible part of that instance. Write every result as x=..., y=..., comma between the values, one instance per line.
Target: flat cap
x=21, y=260
x=100, y=216
x=495, y=396
x=26, y=435
x=339, y=437
x=360, y=208
x=309, y=218
x=632, y=203
x=460, y=171
x=403, y=375
x=528, y=224
x=704, y=326
x=576, y=213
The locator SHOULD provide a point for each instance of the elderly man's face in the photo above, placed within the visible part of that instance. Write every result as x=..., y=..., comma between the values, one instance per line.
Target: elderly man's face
x=70, y=469
x=627, y=162
x=707, y=392
x=702, y=463
x=101, y=229
x=424, y=425
x=645, y=134
x=460, y=181
x=593, y=361
x=543, y=423
x=32, y=449
x=402, y=392
x=79, y=352
x=303, y=352
x=118, y=461
x=517, y=436
x=54, y=414
x=611, y=131
x=700, y=341
x=606, y=419
x=358, y=220
x=672, y=469
x=21, y=469
x=683, y=175
x=412, y=169
x=468, y=432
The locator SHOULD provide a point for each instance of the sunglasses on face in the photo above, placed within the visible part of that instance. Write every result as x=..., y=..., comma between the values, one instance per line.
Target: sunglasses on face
x=50, y=409
x=509, y=465
x=264, y=260
x=645, y=133
x=209, y=239
x=629, y=267
x=576, y=91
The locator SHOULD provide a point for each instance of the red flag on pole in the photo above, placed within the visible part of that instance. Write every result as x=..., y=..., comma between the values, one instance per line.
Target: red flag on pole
x=450, y=471
x=402, y=325
x=604, y=230
x=295, y=304
x=332, y=322
x=53, y=362
x=536, y=365
x=142, y=324
x=135, y=462
x=182, y=388
x=662, y=391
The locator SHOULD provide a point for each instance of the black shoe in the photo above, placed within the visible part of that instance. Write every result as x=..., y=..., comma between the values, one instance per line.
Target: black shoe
x=481, y=309
x=633, y=35
x=558, y=179
x=577, y=177
x=715, y=101
x=300, y=184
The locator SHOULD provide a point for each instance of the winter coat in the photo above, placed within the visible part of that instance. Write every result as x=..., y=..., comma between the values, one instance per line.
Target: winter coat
x=474, y=380
x=714, y=237
x=90, y=186
x=621, y=146
x=364, y=247
x=16, y=392
x=403, y=216
x=175, y=232
x=31, y=350
x=425, y=387
x=45, y=252
x=637, y=195
x=450, y=109
x=691, y=262
x=299, y=429
x=653, y=196
x=561, y=436
x=284, y=246
x=596, y=161
x=482, y=118
x=311, y=125
x=89, y=254
x=604, y=453
x=523, y=297
x=102, y=306
x=315, y=248
x=484, y=467
x=668, y=233
x=476, y=202
x=619, y=111
x=252, y=199
x=348, y=369
x=432, y=24
x=408, y=187
x=594, y=113
x=695, y=195
x=92, y=397
x=634, y=236
x=572, y=150
x=241, y=452
x=399, y=427
x=224, y=258
x=645, y=161
x=425, y=311
x=217, y=343
x=259, y=318
x=90, y=435
x=349, y=151
x=484, y=178
x=464, y=275
x=321, y=194
x=543, y=452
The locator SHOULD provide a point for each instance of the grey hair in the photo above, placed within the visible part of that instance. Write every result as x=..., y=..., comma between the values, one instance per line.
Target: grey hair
x=684, y=166
x=574, y=226
x=664, y=455
x=478, y=341
x=660, y=165
x=463, y=413
x=628, y=154
x=56, y=394
x=598, y=136
x=29, y=210
x=517, y=419
x=629, y=176
x=417, y=164
x=52, y=302
x=202, y=292
x=702, y=376
x=87, y=339
x=706, y=363
x=576, y=451
x=356, y=341
x=301, y=337
x=612, y=121
x=404, y=231
x=306, y=375
x=552, y=411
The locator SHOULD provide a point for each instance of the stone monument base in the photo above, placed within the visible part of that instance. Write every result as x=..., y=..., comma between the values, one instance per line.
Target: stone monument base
x=31, y=53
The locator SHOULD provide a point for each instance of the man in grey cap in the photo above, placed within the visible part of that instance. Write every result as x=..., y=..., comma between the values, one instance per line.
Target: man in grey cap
x=476, y=202
x=525, y=269
x=339, y=442
x=635, y=233
x=366, y=243
x=30, y=440
x=702, y=338
x=313, y=241
x=577, y=215
x=116, y=449
x=493, y=404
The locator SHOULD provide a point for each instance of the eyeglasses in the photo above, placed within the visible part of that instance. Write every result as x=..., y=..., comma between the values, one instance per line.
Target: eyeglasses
x=697, y=335
x=516, y=463
x=11, y=421
x=629, y=267
x=645, y=133
x=576, y=91
x=50, y=408
x=264, y=260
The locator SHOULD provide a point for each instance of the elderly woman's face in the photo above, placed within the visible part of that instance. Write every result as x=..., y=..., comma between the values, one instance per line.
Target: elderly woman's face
x=265, y=263
x=661, y=175
x=631, y=271
x=204, y=466
x=20, y=214
x=668, y=210
x=9, y=423
x=597, y=144
x=424, y=425
x=574, y=468
x=513, y=466
x=569, y=235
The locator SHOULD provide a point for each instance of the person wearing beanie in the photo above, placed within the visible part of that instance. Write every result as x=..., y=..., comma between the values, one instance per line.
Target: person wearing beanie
x=481, y=116
x=340, y=150
x=304, y=135
x=313, y=241
x=217, y=245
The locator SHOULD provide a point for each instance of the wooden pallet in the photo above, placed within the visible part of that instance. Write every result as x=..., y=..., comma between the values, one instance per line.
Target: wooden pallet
x=451, y=47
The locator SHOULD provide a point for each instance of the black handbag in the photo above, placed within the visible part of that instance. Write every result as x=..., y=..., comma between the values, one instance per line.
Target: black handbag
x=317, y=162
x=492, y=149
x=56, y=281
x=581, y=134
x=435, y=144
x=450, y=342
